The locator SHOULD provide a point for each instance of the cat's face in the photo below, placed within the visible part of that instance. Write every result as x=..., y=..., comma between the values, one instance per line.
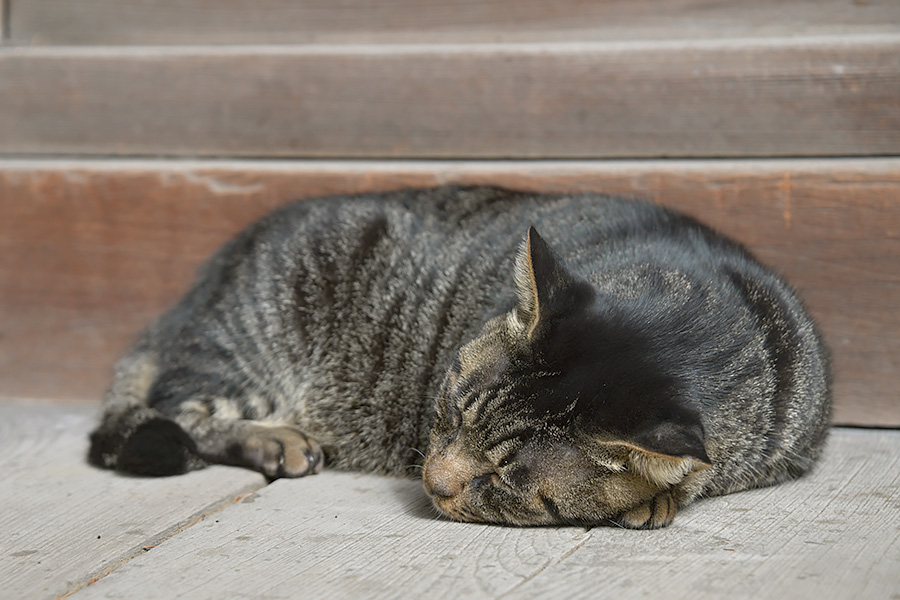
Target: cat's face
x=515, y=440
x=492, y=458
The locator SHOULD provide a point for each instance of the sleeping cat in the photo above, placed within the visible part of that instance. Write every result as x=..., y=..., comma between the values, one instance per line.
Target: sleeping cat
x=614, y=367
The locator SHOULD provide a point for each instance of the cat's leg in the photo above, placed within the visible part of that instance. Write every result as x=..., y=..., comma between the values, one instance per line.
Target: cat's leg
x=657, y=512
x=275, y=449
x=660, y=510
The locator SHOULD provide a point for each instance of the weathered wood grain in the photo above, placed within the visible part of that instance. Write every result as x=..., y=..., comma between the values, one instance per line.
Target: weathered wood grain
x=91, y=251
x=102, y=22
x=806, y=96
x=65, y=523
x=835, y=534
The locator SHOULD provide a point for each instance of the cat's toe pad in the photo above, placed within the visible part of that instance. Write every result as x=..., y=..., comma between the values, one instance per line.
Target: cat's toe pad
x=282, y=451
x=655, y=513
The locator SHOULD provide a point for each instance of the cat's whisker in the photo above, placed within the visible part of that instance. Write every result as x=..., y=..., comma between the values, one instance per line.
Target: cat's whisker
x=419, y=452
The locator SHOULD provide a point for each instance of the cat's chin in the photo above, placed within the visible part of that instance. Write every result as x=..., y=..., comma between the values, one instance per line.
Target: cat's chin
x=462, y=507
x=453, y=509
x=457, y=510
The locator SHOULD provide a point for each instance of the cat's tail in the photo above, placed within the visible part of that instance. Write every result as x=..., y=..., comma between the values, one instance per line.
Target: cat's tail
x=135, y=438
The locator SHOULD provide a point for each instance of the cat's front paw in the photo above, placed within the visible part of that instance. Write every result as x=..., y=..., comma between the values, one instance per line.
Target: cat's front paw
x=655, y=513
x=281, y=451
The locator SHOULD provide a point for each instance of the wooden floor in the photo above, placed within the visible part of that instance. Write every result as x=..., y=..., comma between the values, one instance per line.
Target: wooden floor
x=69, y=529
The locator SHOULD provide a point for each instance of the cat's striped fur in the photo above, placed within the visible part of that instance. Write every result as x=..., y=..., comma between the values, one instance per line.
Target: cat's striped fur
x=639, y=363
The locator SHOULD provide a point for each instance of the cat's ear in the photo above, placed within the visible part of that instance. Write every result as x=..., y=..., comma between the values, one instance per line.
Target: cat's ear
x=542, y=282
x=665, y=453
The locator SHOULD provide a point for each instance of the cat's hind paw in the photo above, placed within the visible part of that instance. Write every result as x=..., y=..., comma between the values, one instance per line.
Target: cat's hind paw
x=655, y=513
x=280, y=451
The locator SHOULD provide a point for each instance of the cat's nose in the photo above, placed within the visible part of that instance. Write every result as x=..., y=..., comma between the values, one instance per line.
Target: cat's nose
x=443, y=487
x=441, y=480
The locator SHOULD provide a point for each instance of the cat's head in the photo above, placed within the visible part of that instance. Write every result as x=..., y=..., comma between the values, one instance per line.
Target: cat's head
x=557, y=413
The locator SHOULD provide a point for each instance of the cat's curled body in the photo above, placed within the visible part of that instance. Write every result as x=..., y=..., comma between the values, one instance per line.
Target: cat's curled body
x=641, y=362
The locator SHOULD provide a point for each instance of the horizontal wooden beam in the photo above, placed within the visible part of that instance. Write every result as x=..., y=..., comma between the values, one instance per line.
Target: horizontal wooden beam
x=189, y=22
x=808, y=96
x=90, y=251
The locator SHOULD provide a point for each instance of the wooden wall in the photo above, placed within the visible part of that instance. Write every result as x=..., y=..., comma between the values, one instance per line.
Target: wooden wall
x=136, y=136
x=93, y=250
x=808, y=97
x=271, y=22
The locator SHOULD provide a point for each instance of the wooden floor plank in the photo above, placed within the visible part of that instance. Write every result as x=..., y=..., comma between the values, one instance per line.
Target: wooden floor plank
x=189, y=22
x=64, y=523
x=90, y=252
x=834, y=534
x=794, y=96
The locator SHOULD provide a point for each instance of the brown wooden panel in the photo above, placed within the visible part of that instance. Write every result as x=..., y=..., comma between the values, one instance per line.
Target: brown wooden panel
x=810, y=96
x=187, y=22
x=90, y=252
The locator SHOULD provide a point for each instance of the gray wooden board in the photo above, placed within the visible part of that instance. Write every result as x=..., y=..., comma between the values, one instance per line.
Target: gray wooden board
x=64, y=523
x=834, y=534
x=804, y=96
x=340, y=21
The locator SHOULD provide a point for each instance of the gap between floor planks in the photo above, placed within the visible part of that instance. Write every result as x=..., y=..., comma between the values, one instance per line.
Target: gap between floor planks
x=65, y=524
x=832, y=534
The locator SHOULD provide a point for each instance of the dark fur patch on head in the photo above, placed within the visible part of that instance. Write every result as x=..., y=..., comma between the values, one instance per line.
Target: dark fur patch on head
x=618, y=372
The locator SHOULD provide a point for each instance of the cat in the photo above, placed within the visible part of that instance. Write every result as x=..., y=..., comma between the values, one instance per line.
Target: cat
x=610, y=369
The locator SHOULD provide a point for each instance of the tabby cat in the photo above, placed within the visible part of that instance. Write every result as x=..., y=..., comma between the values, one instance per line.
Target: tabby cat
x=612, y=368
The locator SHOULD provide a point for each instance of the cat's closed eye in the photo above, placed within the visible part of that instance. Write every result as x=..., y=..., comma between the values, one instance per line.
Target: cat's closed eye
x=516, y=476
